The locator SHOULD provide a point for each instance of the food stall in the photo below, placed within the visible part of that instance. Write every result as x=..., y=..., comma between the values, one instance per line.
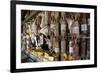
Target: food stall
x=54, y=36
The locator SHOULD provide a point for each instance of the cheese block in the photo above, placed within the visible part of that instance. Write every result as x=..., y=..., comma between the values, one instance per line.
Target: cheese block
x=70, y=57
x=46, y=55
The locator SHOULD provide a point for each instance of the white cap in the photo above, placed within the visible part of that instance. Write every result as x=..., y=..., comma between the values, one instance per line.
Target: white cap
x=44, y=30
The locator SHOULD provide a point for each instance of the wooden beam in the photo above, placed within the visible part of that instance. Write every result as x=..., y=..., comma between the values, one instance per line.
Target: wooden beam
x=32, y=14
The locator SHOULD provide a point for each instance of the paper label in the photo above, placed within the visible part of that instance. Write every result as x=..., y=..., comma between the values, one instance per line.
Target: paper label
x=70, y=49
x=75, y=29
x=56, y=50
x=84, y=27
x=63, y=27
